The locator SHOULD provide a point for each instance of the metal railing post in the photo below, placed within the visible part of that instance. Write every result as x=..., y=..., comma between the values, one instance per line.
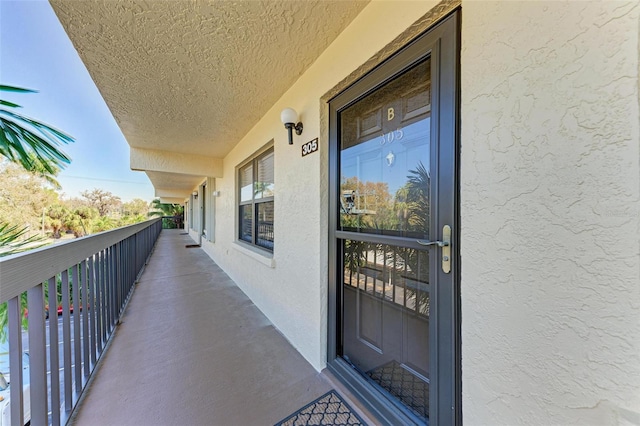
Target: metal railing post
x=93, y=309
x=97, y=276
x=66, y=342
x=54, y=347
x=77, y=354
x=98, y=302
x=86, y=306
x=37, y=356
x=15, y=359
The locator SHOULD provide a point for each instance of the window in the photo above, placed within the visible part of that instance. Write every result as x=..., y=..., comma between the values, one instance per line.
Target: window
x=255, y=209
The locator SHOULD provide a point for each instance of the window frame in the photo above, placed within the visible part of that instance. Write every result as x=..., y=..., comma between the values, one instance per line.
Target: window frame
x=253, y=161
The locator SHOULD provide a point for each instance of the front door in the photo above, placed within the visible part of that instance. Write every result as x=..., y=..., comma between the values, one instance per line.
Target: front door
x=394, y=229
x=203, y=215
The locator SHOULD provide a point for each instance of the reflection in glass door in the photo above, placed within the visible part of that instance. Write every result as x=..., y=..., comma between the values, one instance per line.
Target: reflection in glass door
x=385, y=158
x=394, y=324
x=385, y=171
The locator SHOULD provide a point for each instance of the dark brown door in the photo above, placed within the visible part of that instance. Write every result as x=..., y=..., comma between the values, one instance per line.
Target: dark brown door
x=395, y=228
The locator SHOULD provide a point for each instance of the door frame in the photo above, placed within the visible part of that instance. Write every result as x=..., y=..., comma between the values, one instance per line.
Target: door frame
x=203, y=211
x=443, y=42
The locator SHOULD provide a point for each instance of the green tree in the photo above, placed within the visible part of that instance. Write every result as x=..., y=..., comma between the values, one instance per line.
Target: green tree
x=103, y=201
x=418, y=203
x=80, y=220
x=372, y=204
x=56, y=218
x=413, y=206
x=104, y=223
x=135, y=207
x=24, y=196
x=166, y=210
x=34, y=146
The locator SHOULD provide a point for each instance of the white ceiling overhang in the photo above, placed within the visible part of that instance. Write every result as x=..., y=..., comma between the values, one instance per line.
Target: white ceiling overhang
x=169, y=200
x=175, y=162
x=186, y=80
x=175, y=185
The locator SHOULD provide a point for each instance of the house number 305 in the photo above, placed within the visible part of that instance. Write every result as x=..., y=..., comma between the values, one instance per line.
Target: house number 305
x=310, y=147
x=388, y=138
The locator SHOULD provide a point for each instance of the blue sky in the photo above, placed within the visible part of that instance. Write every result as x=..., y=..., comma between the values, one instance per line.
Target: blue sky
x=35, y=53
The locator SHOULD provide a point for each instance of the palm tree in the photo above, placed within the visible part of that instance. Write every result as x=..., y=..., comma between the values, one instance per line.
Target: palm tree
x=419, y=205
x=28, y=142
x=42, y=168
x=12, y=240
x=34, y=145
x=417, y=213
x=164, y=210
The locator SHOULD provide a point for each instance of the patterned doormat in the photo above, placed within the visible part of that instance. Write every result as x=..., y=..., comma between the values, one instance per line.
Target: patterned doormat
x=329, y=409
x=404, y=385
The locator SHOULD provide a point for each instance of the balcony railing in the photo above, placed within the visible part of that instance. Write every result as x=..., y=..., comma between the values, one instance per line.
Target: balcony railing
x=89, y=282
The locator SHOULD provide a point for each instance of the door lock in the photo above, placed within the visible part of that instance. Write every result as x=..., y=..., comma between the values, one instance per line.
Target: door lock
x=445, y=244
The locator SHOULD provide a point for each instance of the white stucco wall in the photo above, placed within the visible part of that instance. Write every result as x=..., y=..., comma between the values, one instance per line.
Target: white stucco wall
x=550, y=198
x=291, y=288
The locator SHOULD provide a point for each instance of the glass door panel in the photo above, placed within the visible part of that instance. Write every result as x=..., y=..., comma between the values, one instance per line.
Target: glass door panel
x=385, y=158
x=385, y=187
x=394, y=322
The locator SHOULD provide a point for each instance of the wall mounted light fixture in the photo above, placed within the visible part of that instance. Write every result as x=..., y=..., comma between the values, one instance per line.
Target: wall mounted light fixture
x=195, y=194
x=289, y=118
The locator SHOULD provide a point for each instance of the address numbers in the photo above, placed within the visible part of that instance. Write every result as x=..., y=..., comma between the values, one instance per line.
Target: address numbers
x=310, y=147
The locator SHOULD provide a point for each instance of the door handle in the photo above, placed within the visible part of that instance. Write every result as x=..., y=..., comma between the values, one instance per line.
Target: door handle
x=433, y=243
x=445, y=244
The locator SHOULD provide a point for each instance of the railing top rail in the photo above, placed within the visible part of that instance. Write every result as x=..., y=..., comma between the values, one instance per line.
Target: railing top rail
x=20, y=272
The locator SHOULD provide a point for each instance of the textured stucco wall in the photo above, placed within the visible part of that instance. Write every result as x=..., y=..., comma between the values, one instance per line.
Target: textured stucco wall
x=550, y=196
x=291, y=288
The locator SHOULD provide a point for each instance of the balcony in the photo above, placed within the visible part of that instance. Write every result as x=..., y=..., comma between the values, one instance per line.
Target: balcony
x=186, y=347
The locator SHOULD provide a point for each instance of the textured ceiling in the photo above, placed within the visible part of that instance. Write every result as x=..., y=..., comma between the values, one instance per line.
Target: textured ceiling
x=195, y=76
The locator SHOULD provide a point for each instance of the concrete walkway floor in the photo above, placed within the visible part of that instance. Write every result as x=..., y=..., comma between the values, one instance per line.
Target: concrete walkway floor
x=192, y=349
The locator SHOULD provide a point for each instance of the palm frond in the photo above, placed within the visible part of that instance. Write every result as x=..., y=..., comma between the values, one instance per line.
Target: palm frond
x=17, y=142
x=5, y=88
x=13, y=240
x=29, y=142
x=164, y=209
x=9, y=104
